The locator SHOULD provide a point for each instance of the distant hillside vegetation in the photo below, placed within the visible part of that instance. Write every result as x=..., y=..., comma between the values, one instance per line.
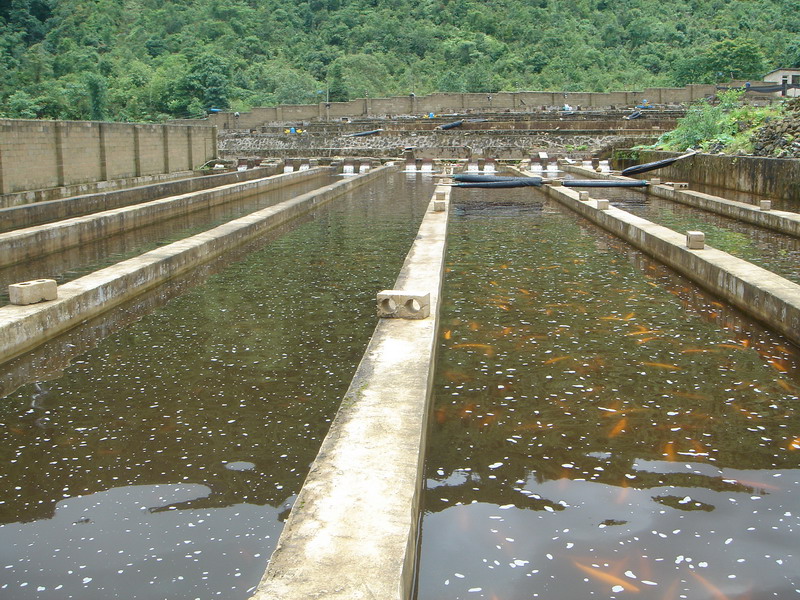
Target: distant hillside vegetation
x=154, y=59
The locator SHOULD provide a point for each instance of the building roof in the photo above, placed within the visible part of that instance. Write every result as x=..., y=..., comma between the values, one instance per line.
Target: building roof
x=783, y=69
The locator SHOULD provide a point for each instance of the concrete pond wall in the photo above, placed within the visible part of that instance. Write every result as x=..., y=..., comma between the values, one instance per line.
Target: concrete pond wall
x=770, y=177
x=47, y=154
x=454, y=103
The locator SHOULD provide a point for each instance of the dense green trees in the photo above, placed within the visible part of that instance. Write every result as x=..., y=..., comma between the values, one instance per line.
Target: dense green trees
x=155, y=59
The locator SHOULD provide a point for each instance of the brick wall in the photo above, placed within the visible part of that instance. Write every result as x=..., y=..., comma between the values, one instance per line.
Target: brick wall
x=46, y=154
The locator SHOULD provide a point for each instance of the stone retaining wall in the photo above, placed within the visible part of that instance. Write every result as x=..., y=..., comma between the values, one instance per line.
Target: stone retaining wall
x=430, y=144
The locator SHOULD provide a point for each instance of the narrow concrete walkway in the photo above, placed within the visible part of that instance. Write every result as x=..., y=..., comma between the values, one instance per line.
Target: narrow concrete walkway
x=760, y=293
x=353, y=529
x=33, y=242
x=47, y=211
x=776, y=220
x=24, y=327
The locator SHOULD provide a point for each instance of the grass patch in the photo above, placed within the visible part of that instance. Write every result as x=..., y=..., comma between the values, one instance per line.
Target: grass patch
x=727, y=126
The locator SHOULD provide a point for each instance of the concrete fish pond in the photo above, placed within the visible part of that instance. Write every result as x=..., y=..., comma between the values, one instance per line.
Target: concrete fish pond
x=602, y=427
x=574, y=418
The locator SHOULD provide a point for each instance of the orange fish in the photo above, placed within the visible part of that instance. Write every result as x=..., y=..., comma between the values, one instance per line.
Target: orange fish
x=715, y=592
x=619, y=427
x=441, y=415
x=662, y=366
x=487, y=419
x=526, y=292
x=473, y=326
x=756, y=484
x=487, y=349
x=606, y=577
x=623, y=494
x=778, y=365
x=456, y=376
x=556, y=359
x=794, y=444
x=448, y=334
x=733, y=346
x=669, y=450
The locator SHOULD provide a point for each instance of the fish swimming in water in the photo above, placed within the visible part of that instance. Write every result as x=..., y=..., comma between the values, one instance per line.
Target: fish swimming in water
x=606, y=577
x=663, y=366
x=715, y=592
x=556, y=359
x=487, y=349
x=619, y=427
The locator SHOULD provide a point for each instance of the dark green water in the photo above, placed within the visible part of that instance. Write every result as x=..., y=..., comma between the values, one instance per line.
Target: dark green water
x=79, y=261
x=161, y=463
x=770, y=250
x=601, y=428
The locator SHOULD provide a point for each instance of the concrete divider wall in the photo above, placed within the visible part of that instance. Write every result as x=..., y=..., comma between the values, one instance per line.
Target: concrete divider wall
x=352, y=532
x=760, y=293
x=33, y=242
x=776, y=220
x=47, y=154
x=24, y=327
x=28, y=215
x=770, y=177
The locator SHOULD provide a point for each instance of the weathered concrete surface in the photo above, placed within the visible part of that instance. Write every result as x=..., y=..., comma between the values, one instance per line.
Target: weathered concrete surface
x=23, y=327
x=31, y=292
x=770, y=177
x=92, y=187
x=353, y=529
x=28, y=215
x=756, y=291
x=33, y=242
x=776, y=220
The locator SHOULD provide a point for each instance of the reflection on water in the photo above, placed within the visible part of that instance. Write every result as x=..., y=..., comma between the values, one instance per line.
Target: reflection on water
x=157, y=546
x=79, y=261
x=601, y=427
x=770, y=250
x=163, y=444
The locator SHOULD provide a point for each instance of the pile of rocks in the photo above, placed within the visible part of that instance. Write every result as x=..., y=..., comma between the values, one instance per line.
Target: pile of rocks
x=780, y=138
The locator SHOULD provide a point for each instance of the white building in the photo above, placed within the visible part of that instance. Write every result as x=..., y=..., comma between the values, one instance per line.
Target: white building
x=790, y=76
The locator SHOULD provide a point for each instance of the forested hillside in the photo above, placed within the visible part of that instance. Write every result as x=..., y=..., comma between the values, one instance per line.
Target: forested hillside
x=154, y=59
